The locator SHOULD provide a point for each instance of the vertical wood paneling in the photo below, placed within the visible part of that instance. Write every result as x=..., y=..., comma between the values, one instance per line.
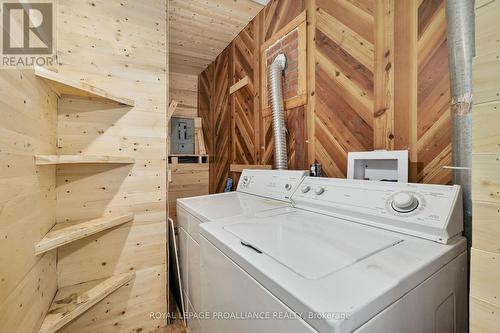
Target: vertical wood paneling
x=405, y=76
x=28, y=126
x=205, y=112
x=221, y=150
x=383, y=124
x=120, y=47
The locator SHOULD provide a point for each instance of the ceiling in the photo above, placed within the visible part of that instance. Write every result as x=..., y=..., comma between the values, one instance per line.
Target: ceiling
x=201, y=29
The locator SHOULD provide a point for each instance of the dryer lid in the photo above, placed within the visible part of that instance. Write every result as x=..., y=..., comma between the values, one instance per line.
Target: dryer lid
x=309, y=247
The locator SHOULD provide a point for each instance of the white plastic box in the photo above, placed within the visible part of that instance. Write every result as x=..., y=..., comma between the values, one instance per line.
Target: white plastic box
x=381, y=165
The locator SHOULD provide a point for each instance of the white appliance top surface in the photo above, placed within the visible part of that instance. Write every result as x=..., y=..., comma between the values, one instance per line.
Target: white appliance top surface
x=217, y=206
x=325, y=268
x=309, y=247
x=257, y=190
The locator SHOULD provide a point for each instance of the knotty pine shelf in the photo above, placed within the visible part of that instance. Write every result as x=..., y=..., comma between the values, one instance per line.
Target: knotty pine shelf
x=72, y=301
x=66, y=87
x=82, y=159
x=67, y=232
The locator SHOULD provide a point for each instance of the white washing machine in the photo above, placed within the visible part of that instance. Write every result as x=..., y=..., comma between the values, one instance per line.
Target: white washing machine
x=349, y=256
x=257, y=190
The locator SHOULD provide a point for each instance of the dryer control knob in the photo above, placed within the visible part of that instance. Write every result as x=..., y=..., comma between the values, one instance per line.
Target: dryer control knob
x=306, y=189
x=404, y=202
x=319, y=190
x=288, y=187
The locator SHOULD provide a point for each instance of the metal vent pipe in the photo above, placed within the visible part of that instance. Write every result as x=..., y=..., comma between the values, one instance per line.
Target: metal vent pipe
x=461, y=49
x=279, y=129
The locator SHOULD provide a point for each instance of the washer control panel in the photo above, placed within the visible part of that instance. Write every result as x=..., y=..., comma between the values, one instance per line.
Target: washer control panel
x=429, y=211
x=273, y=184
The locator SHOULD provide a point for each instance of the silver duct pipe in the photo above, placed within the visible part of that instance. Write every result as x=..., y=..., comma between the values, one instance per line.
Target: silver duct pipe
x=461, y=49
x=279, y=129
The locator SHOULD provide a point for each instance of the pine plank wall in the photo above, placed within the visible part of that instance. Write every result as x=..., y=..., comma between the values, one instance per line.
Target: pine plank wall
x=376, y=75
x=485, y=252
x=121, y=47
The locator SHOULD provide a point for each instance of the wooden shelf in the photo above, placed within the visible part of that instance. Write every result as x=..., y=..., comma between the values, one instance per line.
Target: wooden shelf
x=67, y=87
x=72, y=301
x=76, y=159
x=67, y=232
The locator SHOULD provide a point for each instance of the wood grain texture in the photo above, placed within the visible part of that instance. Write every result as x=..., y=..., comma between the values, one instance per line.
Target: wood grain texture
x=188, y=180
x=68, y=305
x=434, y=125
x=485, y=274
x=184, y=89
x=200, y=30
x=245, y=102
x=484, y=317
x=486, y=226
x=65, y=87
x=485, y=133
x=376, y=79
x=205, y=82
x=405, y=76
x=485, y=177
x=344, y=84
x=64, y=233
x=221, y=158
x=128, y=59
x=278, y=13
x=383, y=124
x=485, y=254
x=28, y=127
x=82, y=159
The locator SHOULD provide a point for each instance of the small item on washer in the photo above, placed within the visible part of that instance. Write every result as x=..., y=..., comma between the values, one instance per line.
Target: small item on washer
x=229, y=185
x=315, y=170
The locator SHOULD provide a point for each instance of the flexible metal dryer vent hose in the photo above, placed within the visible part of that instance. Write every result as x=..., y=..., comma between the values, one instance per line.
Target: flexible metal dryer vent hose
x=279, y=129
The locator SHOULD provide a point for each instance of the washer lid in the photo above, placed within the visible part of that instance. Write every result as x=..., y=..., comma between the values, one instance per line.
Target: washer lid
x=311, y=248
x=217, y=206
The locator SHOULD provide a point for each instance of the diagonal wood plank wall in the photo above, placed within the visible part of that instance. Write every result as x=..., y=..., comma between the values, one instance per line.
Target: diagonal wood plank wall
x=221, y=133
x=245, y=105
x=344, y=107
x=378, y=80
x=434, y=125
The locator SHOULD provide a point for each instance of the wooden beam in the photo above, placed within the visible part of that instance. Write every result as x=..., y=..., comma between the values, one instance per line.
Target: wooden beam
x=405, y=78
x=286, y=29
x=240, y=167
x=383, y=124
x=67, y=232
x=171, y=109
x=238, y=85
x=64, y=86
x=82, y=159
x=290, y=104
x=311, y=80
x=68, y=304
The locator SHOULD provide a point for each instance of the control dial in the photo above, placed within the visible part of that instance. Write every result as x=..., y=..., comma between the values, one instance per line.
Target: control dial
x=319, y=190
x=404, y=202
x=288, y=187
x=305, y=189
